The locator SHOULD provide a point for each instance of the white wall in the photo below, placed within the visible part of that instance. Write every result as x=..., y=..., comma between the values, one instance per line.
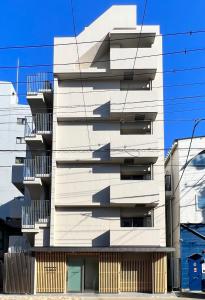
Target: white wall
x=75, y=186
x=10, y=110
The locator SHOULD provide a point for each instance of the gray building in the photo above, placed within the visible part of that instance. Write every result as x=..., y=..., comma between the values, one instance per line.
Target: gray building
x=13, y=150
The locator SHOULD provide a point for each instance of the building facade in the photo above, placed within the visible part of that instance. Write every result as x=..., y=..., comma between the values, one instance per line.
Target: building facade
x=95, y=176
x=13, y=150
x=185, y=212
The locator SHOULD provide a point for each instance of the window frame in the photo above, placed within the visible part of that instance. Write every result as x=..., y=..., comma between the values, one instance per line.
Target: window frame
x=20, y=140
x=21, y=121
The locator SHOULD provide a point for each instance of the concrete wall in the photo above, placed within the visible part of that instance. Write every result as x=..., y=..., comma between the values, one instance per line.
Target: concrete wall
x=87, y=188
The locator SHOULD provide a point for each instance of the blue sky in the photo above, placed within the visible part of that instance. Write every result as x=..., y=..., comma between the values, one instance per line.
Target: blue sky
x=37, y=22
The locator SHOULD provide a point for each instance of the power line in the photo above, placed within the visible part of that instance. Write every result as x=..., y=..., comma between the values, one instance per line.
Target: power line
x=79, y=149
x=189, y=149
x=184, y=51
x=46, y=45
x=91, y=120
x=143, y=17
x=113, y=103
x=171, y=71
x=81, y=81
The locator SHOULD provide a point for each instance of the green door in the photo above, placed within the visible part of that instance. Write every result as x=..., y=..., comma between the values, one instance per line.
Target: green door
x=75, y=267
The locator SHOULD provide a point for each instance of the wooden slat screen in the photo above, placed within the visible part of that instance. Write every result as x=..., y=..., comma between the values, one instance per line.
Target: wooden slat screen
x=109, y=268
x=51, y=272
x=159, y=273
x=136, y=273
x=18, y=273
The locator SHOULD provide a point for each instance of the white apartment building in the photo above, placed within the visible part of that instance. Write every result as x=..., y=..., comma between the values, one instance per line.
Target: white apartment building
x=185, y=202
x=95, y=175
x=13, y=150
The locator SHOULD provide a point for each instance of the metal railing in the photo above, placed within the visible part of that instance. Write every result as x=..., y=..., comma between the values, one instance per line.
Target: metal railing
x=38, y=124
x=38, y=83
x=38, y=212
x=37, y=167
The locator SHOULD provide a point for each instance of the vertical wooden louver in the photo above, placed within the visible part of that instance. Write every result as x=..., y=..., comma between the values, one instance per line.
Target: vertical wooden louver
x=109, y=268
x=51, y=272
x=159, y=274
x=136, y=273
x=118, y=272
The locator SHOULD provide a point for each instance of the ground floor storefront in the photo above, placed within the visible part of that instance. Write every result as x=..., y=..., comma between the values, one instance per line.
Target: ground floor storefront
x=100, y=272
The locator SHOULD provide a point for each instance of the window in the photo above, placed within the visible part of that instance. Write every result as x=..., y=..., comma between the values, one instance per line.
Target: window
x=20, y=140
x=137, y=127
x=200, y=200
x=168, y=183
x=144, y=221
x=21, y=121
x=133, y=85
x=1, y=240
x=198, y=161
x=135, y=172
x=19, y=160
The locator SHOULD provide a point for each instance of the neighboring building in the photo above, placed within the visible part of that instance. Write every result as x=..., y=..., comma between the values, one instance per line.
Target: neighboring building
x=96, y=218
x=12, y=151
x=185, y=201
x=12, y=125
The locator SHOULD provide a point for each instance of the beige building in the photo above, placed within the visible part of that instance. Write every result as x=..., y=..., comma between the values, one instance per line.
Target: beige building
x=95, y=176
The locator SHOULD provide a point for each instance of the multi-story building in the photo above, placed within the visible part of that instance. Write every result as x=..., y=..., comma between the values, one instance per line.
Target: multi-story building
x=95, y=175
x=185, y=202
x=13, y=149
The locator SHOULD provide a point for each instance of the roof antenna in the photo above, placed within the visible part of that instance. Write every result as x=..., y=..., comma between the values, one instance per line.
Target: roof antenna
x=17, y=78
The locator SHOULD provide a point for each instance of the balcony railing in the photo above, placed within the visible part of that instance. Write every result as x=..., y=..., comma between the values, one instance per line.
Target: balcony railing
x=38, y=124
x=38, y=212
x=38, y=83
x=37, y=167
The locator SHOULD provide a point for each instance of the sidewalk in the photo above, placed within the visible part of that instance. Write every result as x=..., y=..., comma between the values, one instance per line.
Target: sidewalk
x=124, y=296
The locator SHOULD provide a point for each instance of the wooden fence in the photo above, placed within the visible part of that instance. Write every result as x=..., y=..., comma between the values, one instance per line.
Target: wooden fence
x=18, y=273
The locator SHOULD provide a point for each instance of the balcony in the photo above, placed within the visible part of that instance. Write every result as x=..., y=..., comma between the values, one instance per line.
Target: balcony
x=37, y=170
x=38, y=128
x=137, y=145
x=139, y=100
x=138, y=236
x=39, y=92
x=18, y=176
x=35, y=215
x=125, y=59
x=132, y=192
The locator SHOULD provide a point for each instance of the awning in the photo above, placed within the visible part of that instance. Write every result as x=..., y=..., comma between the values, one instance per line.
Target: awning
x=103, y=249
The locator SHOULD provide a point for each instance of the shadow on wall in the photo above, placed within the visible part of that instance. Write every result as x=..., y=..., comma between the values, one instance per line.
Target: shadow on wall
x=102, y=152
x=103, y=110
x=102, y=197
x=102, y=240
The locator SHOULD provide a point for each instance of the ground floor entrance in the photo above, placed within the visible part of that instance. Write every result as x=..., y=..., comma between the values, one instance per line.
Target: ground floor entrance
x=82, y=274
x=113, y=272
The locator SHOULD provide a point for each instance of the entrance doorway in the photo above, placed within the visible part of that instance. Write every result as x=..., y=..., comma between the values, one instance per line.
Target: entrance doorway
x=195, y=272
x=82, y=274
